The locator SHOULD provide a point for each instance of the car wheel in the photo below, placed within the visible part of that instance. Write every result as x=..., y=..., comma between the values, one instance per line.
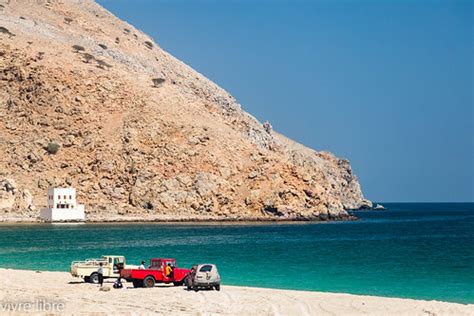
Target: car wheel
x=94, y=278
x=217, y=287
x=149, y=281
x=87, y=279
x=195, y=288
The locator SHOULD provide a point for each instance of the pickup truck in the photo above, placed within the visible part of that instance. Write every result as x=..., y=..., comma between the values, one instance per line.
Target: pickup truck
x=156, y=273
x=87, y=269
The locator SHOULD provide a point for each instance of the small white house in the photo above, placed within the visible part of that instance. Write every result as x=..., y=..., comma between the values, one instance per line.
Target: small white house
x=62, y=206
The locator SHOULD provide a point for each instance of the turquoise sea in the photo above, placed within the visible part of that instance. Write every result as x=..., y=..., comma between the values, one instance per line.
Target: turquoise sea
x=423, y=251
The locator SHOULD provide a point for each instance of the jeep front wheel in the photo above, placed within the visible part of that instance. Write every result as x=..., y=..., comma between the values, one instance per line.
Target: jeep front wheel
x=149, y=281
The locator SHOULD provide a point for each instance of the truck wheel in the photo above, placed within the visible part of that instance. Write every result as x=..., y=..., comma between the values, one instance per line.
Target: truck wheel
x=94, y=278
x=149, y=281
x=217, y=287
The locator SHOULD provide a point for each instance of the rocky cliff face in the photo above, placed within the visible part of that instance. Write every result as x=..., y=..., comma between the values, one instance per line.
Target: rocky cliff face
x=87, y=100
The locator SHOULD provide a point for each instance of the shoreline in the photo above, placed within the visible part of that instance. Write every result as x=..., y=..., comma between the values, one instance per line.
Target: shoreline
x=191, y=221
x=80, y=297
x=175, y=218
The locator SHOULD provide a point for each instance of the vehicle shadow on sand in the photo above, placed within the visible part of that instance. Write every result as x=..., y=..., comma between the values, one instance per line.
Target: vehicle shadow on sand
x=156, y=286
x=200, y=290
x=87, y=283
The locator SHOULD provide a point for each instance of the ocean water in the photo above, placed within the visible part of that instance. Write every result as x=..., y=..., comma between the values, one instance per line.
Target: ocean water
x=423, y=251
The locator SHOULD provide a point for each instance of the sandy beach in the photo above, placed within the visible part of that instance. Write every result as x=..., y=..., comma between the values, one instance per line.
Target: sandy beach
x=58, y=292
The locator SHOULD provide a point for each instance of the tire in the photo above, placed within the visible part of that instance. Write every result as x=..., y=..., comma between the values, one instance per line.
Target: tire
x=149, y=281
x=195, y=288
x=217, y=287
x=94, y=278
x=87, y=279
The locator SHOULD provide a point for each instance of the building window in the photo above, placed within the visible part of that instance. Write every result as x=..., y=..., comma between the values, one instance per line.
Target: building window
x=59, y=197
x=70, y=197
x=65, y=197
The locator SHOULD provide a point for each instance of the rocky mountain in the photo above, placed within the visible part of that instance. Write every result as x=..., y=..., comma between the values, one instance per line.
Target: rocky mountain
x=89, y=101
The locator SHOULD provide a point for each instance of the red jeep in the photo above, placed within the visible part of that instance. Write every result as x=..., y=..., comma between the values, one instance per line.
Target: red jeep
x=155, y=273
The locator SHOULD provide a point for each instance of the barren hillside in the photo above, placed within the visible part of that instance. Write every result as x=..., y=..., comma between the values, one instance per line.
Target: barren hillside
x=87, y=100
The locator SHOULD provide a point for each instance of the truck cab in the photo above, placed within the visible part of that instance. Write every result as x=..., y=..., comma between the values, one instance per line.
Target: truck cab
x=161, y=263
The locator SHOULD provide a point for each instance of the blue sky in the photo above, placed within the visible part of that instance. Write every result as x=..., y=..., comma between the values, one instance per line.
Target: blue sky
x=386, y=84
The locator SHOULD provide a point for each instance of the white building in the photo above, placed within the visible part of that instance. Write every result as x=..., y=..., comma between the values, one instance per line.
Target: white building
x=62, y=206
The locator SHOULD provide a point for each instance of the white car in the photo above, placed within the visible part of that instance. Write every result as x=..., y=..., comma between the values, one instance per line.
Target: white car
x=203, y=276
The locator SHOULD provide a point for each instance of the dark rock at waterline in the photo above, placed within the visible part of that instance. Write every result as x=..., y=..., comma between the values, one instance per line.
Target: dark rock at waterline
x=324, y=216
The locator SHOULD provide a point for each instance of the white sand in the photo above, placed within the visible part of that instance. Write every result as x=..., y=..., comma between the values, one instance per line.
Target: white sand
x=18, y=286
